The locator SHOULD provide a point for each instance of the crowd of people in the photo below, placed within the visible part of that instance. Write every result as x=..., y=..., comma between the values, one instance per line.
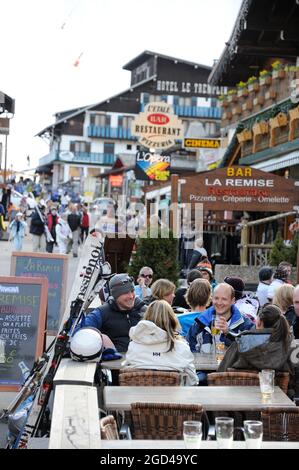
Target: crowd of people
x=256, y=329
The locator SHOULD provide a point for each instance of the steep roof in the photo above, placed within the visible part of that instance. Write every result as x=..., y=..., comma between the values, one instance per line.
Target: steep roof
x=145, y=55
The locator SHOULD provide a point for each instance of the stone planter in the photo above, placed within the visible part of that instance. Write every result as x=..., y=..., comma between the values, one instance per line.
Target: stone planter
x=267, y=80
x=279, y=121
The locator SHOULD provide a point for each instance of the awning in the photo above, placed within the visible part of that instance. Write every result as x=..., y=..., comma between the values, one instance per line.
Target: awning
x=274, y=164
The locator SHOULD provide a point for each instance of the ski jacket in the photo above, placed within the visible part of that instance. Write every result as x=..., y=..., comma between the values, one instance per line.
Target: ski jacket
x=74, y=221
x=199, y=336
x=63, y=231
x=84, y=220
x=13, y=228
x=148, y=349
x=254, y=350
x=115, y=323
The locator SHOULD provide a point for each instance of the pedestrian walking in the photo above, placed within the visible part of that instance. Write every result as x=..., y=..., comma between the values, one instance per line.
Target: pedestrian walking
x=73, y=219
x=17, y=229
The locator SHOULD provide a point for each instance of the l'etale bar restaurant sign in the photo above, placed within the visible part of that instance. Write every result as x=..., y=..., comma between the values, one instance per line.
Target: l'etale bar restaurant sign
x=241, y=188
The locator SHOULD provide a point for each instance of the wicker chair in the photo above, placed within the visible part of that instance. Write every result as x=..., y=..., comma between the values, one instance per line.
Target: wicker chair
x=108, y=428
x=142, y=377
x=235, y=379
x=281, y=378
x=162, y=420
x=280, y=424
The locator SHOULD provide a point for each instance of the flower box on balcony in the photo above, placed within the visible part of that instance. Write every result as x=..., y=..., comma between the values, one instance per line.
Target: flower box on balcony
x=270, y=94
x=237, y=110
x=242, y=92
x=294, y=113
x=244, y=136
x=259, y=100
x=279, y=121
x=260, y=128
x=266, y=80
x=253, y=86
x=247, y=106
x=278, y=74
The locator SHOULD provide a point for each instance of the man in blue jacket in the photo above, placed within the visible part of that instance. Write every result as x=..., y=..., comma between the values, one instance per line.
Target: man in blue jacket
x=228, y=319
x=119, y=313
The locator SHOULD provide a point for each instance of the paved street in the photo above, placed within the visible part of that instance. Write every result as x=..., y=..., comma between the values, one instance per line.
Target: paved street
x=5, y=256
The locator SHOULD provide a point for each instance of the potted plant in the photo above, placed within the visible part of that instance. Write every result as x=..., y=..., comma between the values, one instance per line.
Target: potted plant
x=227, y=115
x=241, y=89
x=232, y=95
x=294, y=113
x=244, y=135
x=223, y=101
x=280, y=120
x=270, y=94
x=293, y=71
x=237, y=109
x=261, y=127
x=265, y=77
x=259, y=100
x=277, y=69
x=252, y=83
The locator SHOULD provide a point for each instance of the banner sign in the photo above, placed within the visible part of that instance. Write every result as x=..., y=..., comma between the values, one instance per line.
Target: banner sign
x=152, y=166
x=241, y=189
x=157, y=127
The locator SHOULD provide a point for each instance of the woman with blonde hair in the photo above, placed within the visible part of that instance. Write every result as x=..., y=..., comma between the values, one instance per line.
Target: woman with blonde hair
x=162, y=289
x=156, y=344
x=283, y=298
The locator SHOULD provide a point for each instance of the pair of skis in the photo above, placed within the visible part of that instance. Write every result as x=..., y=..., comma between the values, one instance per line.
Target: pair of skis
x=94, y=272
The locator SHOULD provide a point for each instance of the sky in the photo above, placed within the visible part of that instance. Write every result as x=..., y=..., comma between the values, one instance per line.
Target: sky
x=41, y=40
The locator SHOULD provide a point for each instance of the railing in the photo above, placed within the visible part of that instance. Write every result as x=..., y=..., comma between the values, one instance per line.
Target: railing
x=79, y=157
x=195, y=111
x=220, y=227
x=108, y=132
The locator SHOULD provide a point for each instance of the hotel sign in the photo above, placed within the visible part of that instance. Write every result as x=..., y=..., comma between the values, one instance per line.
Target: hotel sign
x=239, y=189
x=193, y=88
x=202, y=143
x=157, y=127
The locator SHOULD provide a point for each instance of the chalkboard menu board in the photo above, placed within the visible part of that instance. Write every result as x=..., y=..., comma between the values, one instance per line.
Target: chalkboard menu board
x=23, y=309
x=52, y=266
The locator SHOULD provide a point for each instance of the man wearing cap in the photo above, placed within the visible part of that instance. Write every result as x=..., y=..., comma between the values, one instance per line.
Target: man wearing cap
x=280, y=277
x=247, y=304
x=205, y=268
x=122, y=311
x=265, y=278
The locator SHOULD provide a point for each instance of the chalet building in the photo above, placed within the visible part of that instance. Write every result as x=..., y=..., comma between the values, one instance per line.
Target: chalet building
x=260, y=119
x=90, y=146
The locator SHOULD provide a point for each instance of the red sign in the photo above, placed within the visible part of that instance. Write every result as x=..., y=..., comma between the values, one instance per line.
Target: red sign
x=116, y=180
x=159, y=119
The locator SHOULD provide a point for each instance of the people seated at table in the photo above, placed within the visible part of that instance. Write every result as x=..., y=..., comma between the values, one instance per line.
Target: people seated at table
x=265, y=279
x=229, y=319
x=280, y=277
x=283, y=298
x=122, y=311
x=144, y=280
x=198, y=297
x=247, y=304
x=179, y=299
x=162, y=289
x=206, y=270
x=267, y=346
x=156, y=343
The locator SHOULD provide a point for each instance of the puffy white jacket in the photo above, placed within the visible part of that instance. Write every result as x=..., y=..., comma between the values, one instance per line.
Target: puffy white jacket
x=148, y=349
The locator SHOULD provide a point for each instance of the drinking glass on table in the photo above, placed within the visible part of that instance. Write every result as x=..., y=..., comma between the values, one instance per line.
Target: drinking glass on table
x=224, y=432
x=266, y=378
x=253, y=432
x=192, y=432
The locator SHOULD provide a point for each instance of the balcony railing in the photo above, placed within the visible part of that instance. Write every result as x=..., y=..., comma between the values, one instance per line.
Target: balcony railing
x=93, y=158
x=205, y=112
x=107, y=132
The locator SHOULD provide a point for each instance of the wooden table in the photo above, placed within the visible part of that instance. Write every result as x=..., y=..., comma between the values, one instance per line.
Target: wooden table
x=201, y=361
x=211, y=398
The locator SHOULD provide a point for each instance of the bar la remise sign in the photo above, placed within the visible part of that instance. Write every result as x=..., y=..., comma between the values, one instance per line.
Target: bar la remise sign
x=241, y=188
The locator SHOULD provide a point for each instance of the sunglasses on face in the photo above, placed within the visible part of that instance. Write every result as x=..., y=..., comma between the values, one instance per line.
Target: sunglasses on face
x=150, y=276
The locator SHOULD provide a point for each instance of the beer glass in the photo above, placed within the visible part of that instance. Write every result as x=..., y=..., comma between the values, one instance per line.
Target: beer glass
x=192, y=431
x=266, y=378
x=224, y=432
x=253, y=431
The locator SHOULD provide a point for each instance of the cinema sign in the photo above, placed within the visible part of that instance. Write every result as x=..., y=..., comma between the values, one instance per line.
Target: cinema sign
x=157, y=127
x=240, y=188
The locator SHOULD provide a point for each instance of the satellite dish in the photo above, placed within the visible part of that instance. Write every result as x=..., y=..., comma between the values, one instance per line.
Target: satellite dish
x=66, y=156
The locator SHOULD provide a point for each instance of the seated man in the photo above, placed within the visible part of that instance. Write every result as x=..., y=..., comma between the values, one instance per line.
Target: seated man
x=198, y=298
x=179, y=300
x=122, y=311
x=144, y=280
x=229, y=319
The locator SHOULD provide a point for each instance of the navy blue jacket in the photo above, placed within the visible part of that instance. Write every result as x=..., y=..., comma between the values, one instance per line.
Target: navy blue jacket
x=200, y=335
